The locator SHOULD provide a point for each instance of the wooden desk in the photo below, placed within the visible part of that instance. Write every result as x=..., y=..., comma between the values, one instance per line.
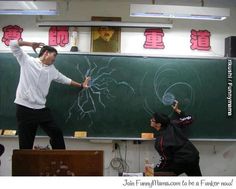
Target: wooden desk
x=57, y=163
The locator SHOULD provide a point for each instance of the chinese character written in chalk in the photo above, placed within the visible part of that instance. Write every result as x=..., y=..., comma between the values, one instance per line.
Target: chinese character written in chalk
x=58, y=35
x=200, y=40
x=154, y=39
x=11, y=33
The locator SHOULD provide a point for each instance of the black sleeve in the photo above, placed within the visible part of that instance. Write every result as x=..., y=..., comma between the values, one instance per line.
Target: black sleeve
x=182, y=119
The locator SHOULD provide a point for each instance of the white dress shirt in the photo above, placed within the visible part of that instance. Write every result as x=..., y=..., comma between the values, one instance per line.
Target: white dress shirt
x=35, y=79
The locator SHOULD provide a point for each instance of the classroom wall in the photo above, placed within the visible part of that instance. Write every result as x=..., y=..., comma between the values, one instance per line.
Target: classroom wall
x=217, y=158
x=177, y=39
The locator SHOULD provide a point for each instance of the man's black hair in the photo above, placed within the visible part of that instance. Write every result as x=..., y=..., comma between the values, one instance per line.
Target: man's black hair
x=161, y=118
x=47, y=48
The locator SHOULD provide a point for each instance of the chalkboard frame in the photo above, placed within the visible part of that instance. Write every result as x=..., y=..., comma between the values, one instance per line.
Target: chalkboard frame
x=147, y=57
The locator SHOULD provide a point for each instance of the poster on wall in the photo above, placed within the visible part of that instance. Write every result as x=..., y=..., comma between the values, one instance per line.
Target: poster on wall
x=58, y=35
x=104, y=38
x=11, y=32
x=200, y=40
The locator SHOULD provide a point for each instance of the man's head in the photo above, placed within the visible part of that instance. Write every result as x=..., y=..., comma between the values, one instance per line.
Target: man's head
x=48, y=54
x=106, y=33
x=159, y=121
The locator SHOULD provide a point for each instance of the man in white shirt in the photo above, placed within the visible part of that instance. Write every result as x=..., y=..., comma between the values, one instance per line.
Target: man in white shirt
x=36, y=75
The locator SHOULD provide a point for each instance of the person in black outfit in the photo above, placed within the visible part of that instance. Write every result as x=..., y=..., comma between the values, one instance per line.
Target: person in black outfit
x=2, y=149
x=177, y=153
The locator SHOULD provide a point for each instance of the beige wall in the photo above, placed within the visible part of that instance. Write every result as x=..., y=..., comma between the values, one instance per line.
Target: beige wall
x=216, y=158
x=177, y=39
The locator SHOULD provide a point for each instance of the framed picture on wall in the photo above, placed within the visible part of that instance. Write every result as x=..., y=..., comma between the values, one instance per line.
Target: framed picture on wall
x=104, y=38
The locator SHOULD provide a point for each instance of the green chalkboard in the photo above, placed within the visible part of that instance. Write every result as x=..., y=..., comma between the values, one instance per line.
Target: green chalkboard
x=124, y=92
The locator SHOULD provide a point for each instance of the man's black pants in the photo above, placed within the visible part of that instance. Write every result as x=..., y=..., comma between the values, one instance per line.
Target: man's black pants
x=190, y=168
x=28, y=121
